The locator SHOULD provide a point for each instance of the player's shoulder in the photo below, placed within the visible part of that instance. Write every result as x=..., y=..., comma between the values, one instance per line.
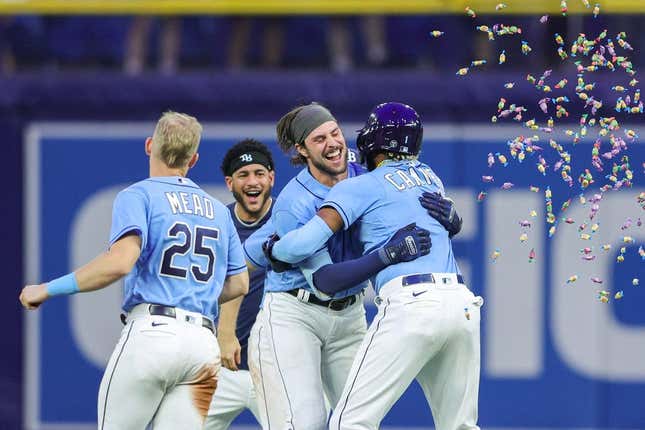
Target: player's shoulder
x=141, y=189
x=300, y=192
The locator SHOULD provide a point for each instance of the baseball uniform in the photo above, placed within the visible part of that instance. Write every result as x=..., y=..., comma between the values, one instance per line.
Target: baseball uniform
x=301, y=348
x=164, y=368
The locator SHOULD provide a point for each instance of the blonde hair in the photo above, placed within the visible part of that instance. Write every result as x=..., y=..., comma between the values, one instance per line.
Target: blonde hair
x=176, y=139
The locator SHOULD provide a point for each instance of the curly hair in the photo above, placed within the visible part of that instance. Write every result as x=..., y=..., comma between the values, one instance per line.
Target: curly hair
x=242, y=147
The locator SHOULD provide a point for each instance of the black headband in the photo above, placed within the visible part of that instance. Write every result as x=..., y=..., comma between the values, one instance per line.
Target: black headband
x=250, y=157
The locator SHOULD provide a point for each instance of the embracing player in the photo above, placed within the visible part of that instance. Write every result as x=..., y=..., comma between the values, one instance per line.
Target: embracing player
x=302, y=345
x=427, y=327
x=179, y=252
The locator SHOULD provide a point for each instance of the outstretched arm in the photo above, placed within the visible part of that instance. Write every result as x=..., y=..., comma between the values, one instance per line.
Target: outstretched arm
x=303, y=242
x=105, y=269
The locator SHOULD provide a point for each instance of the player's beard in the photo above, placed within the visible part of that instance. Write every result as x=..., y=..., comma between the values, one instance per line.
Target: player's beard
x=255, y=213
x=321, y=164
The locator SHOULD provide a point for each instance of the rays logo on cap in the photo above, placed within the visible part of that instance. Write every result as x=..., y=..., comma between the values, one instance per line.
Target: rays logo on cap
x=247, y=158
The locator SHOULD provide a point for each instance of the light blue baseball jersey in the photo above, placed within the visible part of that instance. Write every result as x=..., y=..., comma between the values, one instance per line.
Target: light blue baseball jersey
x=298, y=202
x=189, y=244
x=386, y=199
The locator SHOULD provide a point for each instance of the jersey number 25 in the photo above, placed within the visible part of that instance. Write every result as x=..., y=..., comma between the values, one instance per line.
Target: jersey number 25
x=198, y=246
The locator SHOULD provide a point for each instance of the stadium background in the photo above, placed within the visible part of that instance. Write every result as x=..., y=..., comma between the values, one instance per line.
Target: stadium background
x=74, y=115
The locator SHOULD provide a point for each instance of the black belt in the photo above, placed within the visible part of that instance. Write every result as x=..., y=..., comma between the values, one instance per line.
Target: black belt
x=169, y=311
x=334, y=305
x=424, y=278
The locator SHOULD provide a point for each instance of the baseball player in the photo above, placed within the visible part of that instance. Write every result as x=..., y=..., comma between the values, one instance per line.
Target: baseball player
x=301, y=346
x=427, y=327
x=179, y=252
x=249, y=173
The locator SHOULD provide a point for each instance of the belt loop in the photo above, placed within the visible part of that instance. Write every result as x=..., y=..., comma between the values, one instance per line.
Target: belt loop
x=303, y=295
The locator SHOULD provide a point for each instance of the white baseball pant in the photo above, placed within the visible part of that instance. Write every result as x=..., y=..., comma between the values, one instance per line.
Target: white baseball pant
x=300, y=353
x=163, y=371
x=426, y=331
x=234, y=393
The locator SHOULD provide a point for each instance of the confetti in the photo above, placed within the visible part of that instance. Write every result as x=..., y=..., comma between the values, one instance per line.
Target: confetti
x=466, y=313
x=481, y=196
x=641, y=252
x=585, y=236
x=628, y=239
x=569, y=220
x=552, y=231
x=561, y=84
x=544, y=19
x=618, y=295
x=635, y=282
x=463, y=71
x=606, y=247
x=500, y=6
x=563, y=7
x=572, y=279
x=596, y=10
x=507, y=186
x=509, y=85
x=495, y=255
x=532, y=255
x=525, y=47
x=436, y=33
x=533, y=213
x=524, y=237
x=596, y=280
x=502, y=57
x=476, y=63
x=471, y=13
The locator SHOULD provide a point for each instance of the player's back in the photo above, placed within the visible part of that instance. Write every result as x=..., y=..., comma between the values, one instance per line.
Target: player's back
x=185, y=248
x=386, y=199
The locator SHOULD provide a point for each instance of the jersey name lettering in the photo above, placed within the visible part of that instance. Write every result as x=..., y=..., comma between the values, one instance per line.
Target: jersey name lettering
x=410, y=178
x=185, y=203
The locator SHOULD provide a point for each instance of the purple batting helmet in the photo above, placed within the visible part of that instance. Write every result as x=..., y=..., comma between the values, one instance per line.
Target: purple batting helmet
x=391, y=127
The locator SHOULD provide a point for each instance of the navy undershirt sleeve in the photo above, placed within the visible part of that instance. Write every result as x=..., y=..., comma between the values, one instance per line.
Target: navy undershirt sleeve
x=333, y=278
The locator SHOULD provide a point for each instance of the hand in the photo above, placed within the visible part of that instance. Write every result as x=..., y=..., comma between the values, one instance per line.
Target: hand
x=443, y=210
x=276, y=265
x=407, y=244
x=33, y=296
x=230, y=350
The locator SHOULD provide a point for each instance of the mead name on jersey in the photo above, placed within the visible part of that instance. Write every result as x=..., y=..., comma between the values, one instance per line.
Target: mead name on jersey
x=190, y=203
x=411, y=177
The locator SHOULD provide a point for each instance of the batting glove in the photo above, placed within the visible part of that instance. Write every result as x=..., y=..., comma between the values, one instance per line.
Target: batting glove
x=443, y=210
x=407, y=244
x=267, y=248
